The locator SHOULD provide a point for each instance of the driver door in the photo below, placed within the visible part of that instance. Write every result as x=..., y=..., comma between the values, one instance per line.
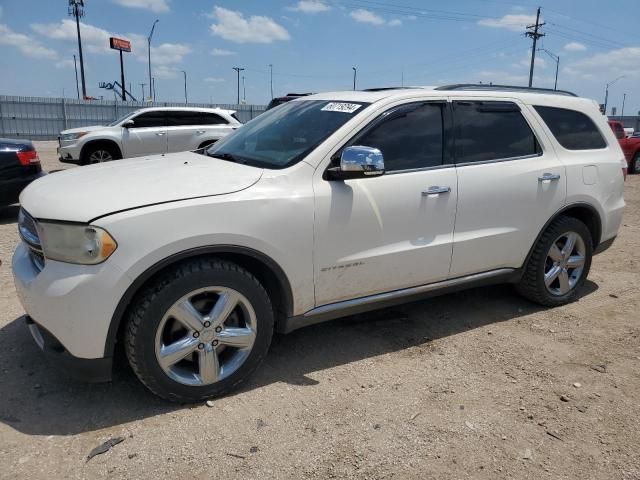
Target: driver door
x=147, y=135
x=379, y=234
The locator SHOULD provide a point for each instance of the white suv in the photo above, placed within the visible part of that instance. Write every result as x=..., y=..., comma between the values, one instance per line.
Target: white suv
x=328, y=205
x=147, y=131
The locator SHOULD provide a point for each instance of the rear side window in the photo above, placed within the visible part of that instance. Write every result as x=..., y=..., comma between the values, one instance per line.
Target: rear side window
x=186, y=118
x=573, y=130
x=410, y=137
x=488, y=131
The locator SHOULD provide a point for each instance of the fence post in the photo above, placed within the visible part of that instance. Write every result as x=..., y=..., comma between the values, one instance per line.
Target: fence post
x=64, y=113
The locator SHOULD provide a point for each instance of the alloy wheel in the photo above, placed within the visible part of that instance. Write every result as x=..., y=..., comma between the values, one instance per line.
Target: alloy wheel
x=205, y=336
x=100, y=156
x=564, y=264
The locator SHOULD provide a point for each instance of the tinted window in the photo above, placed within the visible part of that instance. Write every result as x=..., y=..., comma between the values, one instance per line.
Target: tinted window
x=180, y=119
x=150, y=119
x=573, y=130
x=492, y=131
x=411, y=137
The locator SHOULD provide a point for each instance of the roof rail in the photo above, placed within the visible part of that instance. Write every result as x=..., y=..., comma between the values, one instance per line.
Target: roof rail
x=382, y=89
x=504, y=88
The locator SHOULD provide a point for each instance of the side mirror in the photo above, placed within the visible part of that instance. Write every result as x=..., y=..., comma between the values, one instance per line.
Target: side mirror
x=358, y=162
x=128, y=124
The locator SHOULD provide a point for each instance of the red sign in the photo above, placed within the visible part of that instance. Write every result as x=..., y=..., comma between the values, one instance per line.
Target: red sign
x=120, y=44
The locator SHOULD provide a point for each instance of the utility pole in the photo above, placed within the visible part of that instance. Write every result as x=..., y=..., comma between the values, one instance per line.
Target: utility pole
x=271, y=79
x=149, y=52
x=152, y=92
x=75, y=65
x=355, y=73
x=76, y=9
x=535, y=35
x=142, y=86
x=624, y=99
x=606, y=92
x=238, y=70
x=244, y=91
x=557, y=59
x=186, y=100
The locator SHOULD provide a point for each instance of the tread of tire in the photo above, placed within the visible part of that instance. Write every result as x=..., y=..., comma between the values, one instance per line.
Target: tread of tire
x=149, y=295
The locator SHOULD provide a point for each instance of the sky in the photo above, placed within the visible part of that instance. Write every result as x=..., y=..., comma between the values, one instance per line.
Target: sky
x=313, y=46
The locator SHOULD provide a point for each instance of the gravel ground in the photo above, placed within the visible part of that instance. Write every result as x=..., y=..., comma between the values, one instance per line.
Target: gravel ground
x=479, y=384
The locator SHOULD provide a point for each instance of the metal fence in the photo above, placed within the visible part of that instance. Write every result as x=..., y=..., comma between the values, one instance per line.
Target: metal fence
x=41, y=118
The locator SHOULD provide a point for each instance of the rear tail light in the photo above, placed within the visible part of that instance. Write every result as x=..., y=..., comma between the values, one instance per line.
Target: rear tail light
x=27, y=158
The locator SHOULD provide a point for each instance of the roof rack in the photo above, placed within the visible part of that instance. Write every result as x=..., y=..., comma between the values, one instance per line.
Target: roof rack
x=507, y=88
x=382, y=89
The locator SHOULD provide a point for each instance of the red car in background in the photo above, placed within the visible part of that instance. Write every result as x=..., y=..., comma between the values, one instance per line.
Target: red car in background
x=630, y=146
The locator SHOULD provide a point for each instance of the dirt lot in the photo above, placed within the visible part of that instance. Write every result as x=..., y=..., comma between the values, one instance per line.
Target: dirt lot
x=467, y=385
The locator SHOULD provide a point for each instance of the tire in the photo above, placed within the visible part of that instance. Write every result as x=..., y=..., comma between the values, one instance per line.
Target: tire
x=100, y=153
x=153, y=332
x=635, y=164
x=564, y=286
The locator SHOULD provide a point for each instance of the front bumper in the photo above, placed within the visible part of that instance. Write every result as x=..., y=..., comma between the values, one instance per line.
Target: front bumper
x=74, y=303
x=85, y=369
x=69, y=151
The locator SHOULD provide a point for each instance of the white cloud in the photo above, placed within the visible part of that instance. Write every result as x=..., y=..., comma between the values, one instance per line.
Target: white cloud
x=310, y=6
x=396, y=22
x=94, y=39
x=575, y=47
x=622, y=61
x=220, y=52
x=365, y=16
x=68, y=63
x=158, y=6
x=514, y=22
x=214, y=80
x=233, y=26
x=26, y=44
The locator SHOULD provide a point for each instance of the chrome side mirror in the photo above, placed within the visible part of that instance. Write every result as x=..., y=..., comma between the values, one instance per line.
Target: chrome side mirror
x=358, y=162
x=128, y=124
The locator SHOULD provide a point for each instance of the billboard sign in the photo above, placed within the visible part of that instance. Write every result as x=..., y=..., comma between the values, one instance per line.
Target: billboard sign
x=120, y=44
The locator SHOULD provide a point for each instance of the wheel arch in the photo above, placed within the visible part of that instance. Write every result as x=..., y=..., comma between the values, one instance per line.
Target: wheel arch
x=98, y=141
x=584, y=212
x=266, y=270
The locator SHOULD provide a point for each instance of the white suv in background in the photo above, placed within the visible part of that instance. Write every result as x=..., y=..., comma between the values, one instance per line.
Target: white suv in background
x=326, y=206
x=147, y=131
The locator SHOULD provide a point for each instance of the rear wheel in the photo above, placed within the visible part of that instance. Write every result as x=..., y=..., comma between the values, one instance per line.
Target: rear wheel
x=199, y=331
x=635, y=164
x=559, y=264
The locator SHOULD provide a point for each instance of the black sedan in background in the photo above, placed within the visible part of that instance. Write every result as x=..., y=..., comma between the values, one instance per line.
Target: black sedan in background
x=19, y=166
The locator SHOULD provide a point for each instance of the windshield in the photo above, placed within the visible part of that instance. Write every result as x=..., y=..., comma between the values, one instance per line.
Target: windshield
x=122, y=119
x=285, y=135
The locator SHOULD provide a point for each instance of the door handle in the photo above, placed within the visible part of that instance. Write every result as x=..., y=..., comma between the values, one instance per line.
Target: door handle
x=200, y=132
x=159, y=134
x=435, y=190
x=549, y=177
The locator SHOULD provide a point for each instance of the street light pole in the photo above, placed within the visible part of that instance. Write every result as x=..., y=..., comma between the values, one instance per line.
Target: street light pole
x=557, y=59
x=149, y=52
x=186, y=100
x=606, y=92
x=355, y=72
x=624, y=99
x=238, y=70
x=244, y=91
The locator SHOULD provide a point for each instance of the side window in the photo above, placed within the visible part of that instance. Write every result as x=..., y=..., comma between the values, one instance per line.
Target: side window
x=411, y=137
x=187, y=119
x=212, y=119
x=149, y=119
x=492, y=131
x=573, y=130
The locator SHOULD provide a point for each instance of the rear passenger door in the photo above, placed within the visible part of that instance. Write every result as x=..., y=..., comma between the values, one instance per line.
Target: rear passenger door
x=510, y=183
x=188, y=130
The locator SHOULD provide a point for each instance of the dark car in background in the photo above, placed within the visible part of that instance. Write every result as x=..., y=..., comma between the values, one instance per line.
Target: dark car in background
x=19, y=166
x=287, y=98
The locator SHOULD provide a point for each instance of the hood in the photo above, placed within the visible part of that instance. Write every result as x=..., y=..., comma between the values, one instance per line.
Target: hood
x=90, y=128
x=85, y=193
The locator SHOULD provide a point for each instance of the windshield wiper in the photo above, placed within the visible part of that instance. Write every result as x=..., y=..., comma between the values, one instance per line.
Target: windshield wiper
x=227, y=156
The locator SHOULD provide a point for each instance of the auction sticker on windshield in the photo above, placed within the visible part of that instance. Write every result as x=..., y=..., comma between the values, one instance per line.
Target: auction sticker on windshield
x=341, y=107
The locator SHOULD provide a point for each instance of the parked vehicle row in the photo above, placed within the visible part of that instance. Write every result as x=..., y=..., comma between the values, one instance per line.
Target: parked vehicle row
x=328, y=205
x=630, y=146
x=147, y=131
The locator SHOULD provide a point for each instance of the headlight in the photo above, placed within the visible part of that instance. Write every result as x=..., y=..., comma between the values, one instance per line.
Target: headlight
x=73, y=243
x=72, y=136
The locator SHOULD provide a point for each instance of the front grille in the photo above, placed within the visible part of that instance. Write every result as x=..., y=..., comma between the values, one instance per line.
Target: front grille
x=28, y=230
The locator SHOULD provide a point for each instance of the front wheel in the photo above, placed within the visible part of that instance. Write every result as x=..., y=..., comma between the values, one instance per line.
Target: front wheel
x=100, y=154
x=199, y=330
x=559, y=263
x=635, y=164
